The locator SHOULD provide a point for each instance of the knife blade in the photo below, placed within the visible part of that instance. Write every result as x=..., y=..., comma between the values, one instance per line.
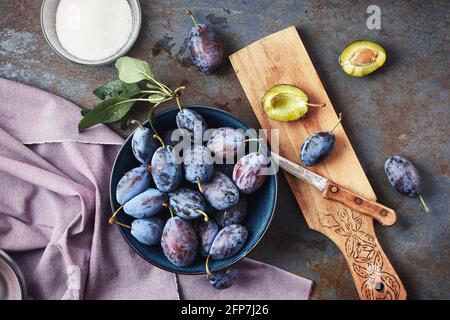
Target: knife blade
x=312, y=178
x=332, y=191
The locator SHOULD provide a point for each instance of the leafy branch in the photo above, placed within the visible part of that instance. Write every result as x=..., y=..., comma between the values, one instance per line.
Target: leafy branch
x=119, y=96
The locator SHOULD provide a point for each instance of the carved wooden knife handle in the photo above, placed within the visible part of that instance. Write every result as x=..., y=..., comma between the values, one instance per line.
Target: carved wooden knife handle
x=384, y=215
x=373, y=274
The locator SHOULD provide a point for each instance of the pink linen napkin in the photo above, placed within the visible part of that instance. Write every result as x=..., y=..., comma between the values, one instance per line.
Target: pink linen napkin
x=54, y=209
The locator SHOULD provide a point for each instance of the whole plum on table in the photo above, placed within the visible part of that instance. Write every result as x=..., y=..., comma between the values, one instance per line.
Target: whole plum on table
x=145, y=204
x=179, y=242
x=404, y=177
x=206, y=232
x=220, y=191
x=223, y=279
x=248, y=175
x=167, y=170
x=147, y=231
x=235, y=215
x=205, y=47
x=134, y=182
x=198, y=165
x=143, y=144
x=318, y=146
x=228, y=241
x=226, y=142
x=193, y=122
x=187, y=203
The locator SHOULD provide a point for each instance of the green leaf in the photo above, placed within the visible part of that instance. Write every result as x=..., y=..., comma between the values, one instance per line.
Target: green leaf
x=117, y=89
x=133, y=70
x=156, y=98
x=84, y=111
x=107, y=111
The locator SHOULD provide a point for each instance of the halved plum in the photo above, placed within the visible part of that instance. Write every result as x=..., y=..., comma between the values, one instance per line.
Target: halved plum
x=285, y=102
x=361, y=58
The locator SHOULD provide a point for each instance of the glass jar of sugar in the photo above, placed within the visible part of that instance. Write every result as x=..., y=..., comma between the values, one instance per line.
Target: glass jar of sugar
x=91, y=32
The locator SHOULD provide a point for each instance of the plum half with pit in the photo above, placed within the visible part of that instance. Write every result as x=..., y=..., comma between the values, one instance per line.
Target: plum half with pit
x=361, y=58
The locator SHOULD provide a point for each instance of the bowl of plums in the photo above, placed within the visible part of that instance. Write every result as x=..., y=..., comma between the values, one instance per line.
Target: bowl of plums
x=193, y=192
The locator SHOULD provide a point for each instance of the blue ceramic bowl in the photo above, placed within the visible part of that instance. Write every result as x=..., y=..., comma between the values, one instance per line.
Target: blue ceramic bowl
x=261, y=204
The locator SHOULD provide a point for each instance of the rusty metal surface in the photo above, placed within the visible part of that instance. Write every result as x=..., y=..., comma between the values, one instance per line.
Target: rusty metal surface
x=402, y=109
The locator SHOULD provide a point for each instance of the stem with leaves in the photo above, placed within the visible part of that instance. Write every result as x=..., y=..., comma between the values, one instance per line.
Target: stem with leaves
x=119, y=96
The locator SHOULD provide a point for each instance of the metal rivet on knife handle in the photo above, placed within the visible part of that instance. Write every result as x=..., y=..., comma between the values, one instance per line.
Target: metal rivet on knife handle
x=334, y=189
x=383, y=213
x=358, y=200
x=379, y=286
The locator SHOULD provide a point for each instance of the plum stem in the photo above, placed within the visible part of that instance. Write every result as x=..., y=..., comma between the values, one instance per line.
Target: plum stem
x=177, y=99
x=208, y=272
x=259, y=143
x=112, y=220
x=122, y=224
x=339, y=121
x=318, y=105
x=166, y=205
x=206, y=218
x=199, y=184
x=149, y=169
x=424, y=205
x=138, y=123
x=189, y=13
x=159, y=139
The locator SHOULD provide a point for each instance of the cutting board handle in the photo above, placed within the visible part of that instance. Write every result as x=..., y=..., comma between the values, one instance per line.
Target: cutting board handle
x=373, y=274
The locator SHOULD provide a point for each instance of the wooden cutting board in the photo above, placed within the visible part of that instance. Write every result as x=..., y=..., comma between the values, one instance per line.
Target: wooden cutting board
x=282, y=58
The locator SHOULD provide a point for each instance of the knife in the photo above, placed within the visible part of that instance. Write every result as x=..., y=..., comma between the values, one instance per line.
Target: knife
x=332, y=191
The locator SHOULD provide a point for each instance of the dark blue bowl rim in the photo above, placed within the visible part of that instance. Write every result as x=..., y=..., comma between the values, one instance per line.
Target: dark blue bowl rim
x=121, y=230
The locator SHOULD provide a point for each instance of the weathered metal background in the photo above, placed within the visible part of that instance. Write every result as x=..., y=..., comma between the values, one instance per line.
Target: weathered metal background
x=402, y=109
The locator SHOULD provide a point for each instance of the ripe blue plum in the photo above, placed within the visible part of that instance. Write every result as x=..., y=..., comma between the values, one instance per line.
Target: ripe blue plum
x=198, y=164
x=318, y=146
x=143, y=144
x=206, y=233
x=224, y=278
x=205, y=47
x=167, y=170
x=187, y=203
x=220, y=191
x=179, y=242
x=248, y=175
x=146, y=204
x=226, y=142
x=228, y=241
x=134, y=182
x=235, y=215
x=404, y=177
x=147, y=231
x=193, y=122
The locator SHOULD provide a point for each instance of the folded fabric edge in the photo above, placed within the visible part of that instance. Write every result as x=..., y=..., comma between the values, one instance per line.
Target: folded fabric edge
x=73, y=140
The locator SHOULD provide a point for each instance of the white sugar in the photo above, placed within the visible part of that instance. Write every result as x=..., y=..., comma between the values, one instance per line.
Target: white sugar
x=93, y=29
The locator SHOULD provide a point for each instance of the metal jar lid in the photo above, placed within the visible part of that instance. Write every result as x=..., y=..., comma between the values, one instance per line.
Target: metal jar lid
x=12, y=283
